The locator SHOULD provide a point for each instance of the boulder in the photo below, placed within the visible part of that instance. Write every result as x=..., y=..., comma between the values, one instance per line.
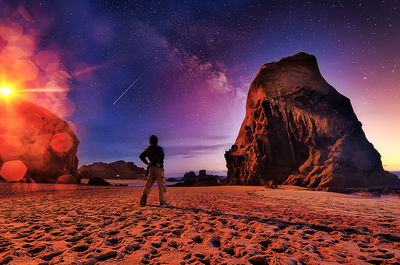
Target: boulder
x=115, y=170
x=36, y=145
x=95, y=181
x=300, y=130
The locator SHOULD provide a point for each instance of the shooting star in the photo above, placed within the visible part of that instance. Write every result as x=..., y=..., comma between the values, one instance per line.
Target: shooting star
x=129, y=87
x=137, y=79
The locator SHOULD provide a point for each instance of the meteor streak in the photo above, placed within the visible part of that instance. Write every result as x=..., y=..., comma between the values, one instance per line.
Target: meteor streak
x=129, y=87
x=137, y=79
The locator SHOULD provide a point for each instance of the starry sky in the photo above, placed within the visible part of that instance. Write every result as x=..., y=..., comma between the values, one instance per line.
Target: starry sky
x=190, y=64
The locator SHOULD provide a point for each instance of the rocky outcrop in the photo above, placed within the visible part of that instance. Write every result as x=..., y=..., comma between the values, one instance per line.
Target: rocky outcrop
x=190, y=179
x=299, y=130
x=95, y=181
x=36, y=145
x=115, y=170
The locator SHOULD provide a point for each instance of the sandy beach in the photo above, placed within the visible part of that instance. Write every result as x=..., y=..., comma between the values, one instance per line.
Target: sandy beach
x=68, y=224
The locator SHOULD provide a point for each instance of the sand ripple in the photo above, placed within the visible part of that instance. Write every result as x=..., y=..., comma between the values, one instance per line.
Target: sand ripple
x=219, y=225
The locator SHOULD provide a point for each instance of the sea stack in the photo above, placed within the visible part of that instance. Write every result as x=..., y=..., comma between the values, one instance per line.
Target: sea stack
x=300, y=130
x=36, y=145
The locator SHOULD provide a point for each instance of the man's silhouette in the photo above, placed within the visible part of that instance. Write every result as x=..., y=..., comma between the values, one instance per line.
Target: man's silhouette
x=155, y=170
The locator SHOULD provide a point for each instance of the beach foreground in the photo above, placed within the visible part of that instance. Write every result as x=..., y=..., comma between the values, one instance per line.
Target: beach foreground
x=67, y=224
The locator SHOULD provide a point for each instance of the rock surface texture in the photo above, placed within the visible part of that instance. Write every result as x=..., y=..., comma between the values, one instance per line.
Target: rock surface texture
x=299, y=130
x=115, y=170
x=36, y=145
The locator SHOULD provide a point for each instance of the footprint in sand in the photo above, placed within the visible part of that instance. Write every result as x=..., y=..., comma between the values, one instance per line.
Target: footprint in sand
x=108, y=255
x=173, y=244
x=112, y=241
x=112, y=233
x=74, y=238
x=36, y=250
x=177, y=232
x=156, y=245
x=265, y=243
x=197, y=239
x=6, y=260
x=50, y=256
x=27, y=246
x=215, y=241
x=132, y=247
x=229, y=251
x=165, y=224
x=80, y=248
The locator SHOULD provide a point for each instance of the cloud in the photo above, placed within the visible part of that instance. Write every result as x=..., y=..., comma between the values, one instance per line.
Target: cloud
x=194, y=150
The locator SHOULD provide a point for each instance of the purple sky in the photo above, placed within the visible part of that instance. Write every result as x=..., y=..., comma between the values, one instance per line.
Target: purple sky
x=198, y=60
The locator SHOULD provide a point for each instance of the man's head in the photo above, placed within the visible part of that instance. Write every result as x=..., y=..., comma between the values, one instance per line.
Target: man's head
x=153, y=140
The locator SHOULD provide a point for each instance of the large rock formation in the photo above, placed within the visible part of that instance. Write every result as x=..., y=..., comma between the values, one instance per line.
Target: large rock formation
x=299, y=130
x=115, y=170
x=36, y=145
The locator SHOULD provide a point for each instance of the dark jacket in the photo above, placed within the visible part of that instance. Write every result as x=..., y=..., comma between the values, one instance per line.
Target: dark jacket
x=154, y=153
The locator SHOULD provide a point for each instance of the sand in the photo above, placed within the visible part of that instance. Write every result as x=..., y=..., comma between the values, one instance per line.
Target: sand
x=67, y=224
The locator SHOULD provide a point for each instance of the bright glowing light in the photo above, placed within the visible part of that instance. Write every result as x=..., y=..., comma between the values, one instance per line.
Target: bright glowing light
x=5, y=91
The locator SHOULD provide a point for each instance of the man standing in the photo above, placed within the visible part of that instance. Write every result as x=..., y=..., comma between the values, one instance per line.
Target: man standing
x=155, y=170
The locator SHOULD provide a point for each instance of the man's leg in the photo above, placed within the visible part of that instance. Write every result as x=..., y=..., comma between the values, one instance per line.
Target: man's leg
x=146, y=190
x=162, y=190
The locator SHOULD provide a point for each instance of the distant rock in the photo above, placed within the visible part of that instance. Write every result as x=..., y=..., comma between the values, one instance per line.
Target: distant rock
x=191, y=175
x=172, y=179
x=299, y=130
x=36, y=145
x=190, y=179
x=96, y=181
x=115, y=170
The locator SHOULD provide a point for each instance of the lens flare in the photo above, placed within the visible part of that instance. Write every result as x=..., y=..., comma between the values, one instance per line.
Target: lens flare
x=61, y=142
x=5, y=91
x=13, y=170
x=28, y=72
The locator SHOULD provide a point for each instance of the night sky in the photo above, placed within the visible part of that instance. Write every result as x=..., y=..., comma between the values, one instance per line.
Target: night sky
x=195, y=60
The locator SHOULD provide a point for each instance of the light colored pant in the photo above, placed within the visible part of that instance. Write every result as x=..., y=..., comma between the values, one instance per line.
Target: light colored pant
x=155, y=173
